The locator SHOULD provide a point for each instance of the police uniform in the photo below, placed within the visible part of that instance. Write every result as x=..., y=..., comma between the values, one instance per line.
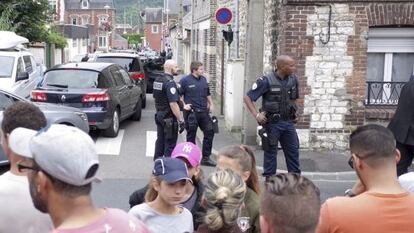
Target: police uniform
x=278, y=103
x=165, y=92
x=195, y=91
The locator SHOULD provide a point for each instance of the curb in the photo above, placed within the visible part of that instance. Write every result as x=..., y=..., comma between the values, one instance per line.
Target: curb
x=323, y=176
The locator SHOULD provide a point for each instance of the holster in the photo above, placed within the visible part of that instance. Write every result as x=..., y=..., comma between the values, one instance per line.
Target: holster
x=170, y=127
x=192, y=121
x=215, y=124
x=268, y=139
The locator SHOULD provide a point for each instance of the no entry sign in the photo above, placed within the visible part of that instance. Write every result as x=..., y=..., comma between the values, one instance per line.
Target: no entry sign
x=223, y=15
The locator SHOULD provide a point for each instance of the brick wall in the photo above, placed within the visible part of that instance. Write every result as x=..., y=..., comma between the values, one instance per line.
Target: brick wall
x=153, y=39
x=332, y=75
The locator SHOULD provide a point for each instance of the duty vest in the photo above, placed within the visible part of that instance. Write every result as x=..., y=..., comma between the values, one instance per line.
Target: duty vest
x=280, y=99
x=160, y=92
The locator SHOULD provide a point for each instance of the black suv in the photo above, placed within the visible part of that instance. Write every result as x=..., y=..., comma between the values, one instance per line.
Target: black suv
x=130, y=62
x=104, y=91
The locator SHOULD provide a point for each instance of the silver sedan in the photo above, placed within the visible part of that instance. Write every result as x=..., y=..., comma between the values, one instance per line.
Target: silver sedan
x=55, y=114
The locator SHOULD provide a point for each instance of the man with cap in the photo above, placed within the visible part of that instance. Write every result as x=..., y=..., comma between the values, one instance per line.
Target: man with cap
x=15, y=201
x=61, y=162
x=167, y=111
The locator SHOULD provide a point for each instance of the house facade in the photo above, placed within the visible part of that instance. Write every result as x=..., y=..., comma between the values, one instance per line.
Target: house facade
x=153, y=28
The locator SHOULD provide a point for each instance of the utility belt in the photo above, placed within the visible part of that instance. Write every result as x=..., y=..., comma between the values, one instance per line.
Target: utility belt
x=275, y=117
x=199, y=110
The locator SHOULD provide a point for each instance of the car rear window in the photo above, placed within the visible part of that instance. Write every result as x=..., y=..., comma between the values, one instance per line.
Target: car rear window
x=73, y=78
x=6, y=67
x=129, y=63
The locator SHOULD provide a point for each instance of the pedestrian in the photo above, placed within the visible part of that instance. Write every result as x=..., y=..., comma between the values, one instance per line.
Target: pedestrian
x=167, y=111
x=223, y=198
x=402, y=126
x=191, y=155
x=62, y=163
x=279, y=90
x=162, y=211
x=198, y=105
x=377, y=203
x=17, y=213
x=290, y=203
x=241, y=160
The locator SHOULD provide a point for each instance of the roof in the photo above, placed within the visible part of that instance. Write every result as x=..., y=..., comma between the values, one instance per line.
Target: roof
x=73, y=31
x=97, y=66
x=119, y=37
x=153, y=15
x=93, y=4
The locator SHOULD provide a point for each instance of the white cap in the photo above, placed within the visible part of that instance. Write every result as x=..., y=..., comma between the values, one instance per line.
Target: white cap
x=64, y=152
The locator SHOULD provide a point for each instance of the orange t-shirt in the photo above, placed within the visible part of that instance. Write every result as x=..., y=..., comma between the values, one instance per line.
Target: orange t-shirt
x=368, y=213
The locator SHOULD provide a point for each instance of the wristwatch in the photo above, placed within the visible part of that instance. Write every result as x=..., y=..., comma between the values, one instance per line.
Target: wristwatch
x=349, y=193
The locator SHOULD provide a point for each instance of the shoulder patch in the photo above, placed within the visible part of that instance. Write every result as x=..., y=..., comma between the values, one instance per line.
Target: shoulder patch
x=173, y=90
x=254, y=86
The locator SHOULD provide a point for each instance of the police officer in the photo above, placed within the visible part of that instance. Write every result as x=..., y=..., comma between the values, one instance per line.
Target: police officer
x=198, y=105
x=279, y=90
x=168, y=111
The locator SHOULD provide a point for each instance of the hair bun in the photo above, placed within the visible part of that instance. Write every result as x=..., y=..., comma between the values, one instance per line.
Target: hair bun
x=222, y=194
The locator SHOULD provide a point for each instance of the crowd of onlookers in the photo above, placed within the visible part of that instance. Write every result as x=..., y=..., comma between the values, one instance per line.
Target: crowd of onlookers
x=52, y=168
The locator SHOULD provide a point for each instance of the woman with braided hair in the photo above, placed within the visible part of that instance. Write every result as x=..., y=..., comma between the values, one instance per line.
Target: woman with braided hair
x=223, y=197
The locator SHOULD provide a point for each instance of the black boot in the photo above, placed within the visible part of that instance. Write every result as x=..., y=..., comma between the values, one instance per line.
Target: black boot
x=206, y=161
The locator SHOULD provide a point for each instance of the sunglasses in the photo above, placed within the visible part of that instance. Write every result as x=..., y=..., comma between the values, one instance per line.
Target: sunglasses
x=23, y=168
x=351, y=159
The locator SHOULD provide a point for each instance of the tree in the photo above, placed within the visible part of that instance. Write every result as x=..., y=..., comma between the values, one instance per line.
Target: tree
x=27, y=18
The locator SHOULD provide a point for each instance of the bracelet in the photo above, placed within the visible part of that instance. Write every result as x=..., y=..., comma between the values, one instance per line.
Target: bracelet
x=349, y=193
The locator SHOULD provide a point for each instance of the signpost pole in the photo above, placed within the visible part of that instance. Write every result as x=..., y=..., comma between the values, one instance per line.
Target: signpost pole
x=222, y=78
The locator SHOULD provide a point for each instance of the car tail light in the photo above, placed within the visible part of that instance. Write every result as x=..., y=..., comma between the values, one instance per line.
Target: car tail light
x=96, y=97
x=39, y=96
x=138, y=76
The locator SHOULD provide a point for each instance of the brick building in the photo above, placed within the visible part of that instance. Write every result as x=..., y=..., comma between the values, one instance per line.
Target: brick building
x=153, y=27
x=203, y=38
x=97, y=15
x=340, y=48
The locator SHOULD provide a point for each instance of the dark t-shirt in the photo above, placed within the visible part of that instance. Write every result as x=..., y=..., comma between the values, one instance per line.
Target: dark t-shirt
x=195, y=91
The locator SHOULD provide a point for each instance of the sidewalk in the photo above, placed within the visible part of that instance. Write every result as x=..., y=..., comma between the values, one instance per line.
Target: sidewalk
x=314, y=164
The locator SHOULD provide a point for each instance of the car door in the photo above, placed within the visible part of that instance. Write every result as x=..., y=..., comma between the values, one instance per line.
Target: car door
x=31, y=69
x=122, y=91
x=18, y=87
x=134, y=90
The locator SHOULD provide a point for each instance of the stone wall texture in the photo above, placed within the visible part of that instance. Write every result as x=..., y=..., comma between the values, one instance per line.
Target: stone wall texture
x=331, y=61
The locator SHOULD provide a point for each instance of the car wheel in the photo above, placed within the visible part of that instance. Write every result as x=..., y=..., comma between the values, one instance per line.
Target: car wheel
x=144, y=101
x=113, y=129
x=138, y=111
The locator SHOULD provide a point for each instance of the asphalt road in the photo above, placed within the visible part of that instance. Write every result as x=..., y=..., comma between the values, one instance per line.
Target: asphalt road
x=126, y=167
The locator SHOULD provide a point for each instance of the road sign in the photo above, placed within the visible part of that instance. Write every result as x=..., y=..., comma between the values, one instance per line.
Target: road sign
x=223, y=15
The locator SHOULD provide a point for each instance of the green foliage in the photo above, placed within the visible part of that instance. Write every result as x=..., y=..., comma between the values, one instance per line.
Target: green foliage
x=57, y=39
x=132, y=9
x=133, y=38
x=27, y=18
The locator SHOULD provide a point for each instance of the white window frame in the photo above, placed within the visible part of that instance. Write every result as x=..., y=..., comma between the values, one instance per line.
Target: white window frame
x=87, y=4
x=103, y=43
x=85, y=19
x=74, y=43
x=389, y=41
x=155, y=31
x=72, y=19
x=102, y=18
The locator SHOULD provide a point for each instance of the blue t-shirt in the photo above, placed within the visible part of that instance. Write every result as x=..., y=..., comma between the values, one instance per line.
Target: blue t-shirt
x=195, y=91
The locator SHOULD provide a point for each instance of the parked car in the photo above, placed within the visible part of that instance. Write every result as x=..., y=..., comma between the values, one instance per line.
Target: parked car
x=153, y=68
x=19, y=72
x=133, y=64
x=104, y=91
x=55, y=114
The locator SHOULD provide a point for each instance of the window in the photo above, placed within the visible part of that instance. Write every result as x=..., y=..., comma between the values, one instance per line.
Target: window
x=83, y=42
x=85, y=19
x=390, y=63
x=126, y=77
x=74, y=42
x=74, y=20
x=28, y=64
x=154, y=29
x=85, y=4
x=72, y=78
x=102, y=19
x=20, y=65
x=52, y=6
x=102, y=41
x=5, y=101
x=118, y=77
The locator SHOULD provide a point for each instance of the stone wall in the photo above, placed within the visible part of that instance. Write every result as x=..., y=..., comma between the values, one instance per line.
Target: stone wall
x=331, y=66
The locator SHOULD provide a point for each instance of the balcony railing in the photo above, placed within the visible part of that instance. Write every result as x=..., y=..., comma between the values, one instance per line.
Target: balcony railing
x=383, y=93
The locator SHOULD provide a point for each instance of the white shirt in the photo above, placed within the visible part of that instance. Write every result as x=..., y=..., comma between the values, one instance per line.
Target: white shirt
x=407, y=181
x=17, y=213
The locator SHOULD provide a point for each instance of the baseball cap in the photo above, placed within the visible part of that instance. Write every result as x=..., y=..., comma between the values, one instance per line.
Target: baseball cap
x=64, y=152
x=189, y=151
x=170, y=170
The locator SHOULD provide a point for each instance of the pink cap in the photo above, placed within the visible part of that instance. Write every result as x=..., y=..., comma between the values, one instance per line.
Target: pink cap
x=189, y=151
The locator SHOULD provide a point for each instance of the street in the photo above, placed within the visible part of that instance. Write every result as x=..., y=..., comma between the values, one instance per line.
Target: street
x=130, y=169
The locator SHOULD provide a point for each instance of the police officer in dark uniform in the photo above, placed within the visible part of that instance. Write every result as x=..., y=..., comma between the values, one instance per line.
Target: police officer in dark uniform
x=168, y=111
x=198, y=105
x=279, y=90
